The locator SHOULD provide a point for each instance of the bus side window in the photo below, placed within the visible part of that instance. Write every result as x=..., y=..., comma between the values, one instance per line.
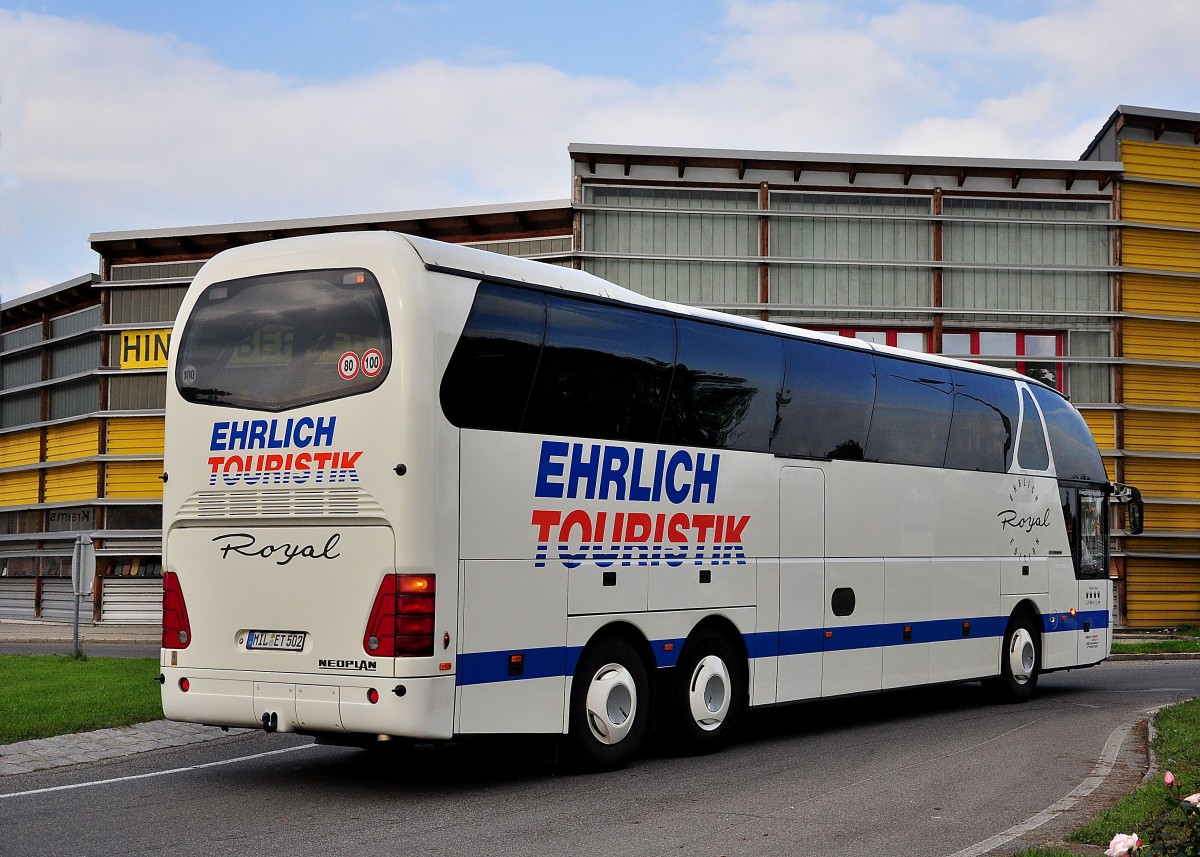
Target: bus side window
x=983, y=430
x=726, y=388
x=487, y=381
x=913, y=410
x=825, y=408
x=604, y=373
x=1033, y=453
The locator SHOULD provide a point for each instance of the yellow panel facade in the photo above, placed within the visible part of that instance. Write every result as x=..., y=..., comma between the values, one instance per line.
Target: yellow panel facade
x=1160, y=516
x=1103, y=427
x=19, y=489
x=1170, y=545
x=1161, y=340
x=134, y=480
x=1153, y=295
x=137, y=436
x=1161, y=161
x=1167, y=251
x=1162, y=592
x=1153, y=385
x=73, y=482
x=20, y=447
x=1161, y=204
x=73, y=440
x=1162, y=432
x=1159, y=477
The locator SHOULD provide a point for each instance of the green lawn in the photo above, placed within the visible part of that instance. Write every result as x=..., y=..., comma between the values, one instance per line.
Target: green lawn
x=46, y=695
x=1181, y=640
x=1153, y=647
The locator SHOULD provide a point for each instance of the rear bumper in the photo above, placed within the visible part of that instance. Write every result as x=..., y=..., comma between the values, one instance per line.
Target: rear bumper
x=406, y=707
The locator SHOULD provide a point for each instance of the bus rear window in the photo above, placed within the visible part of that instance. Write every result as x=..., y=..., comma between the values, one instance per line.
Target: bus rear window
x=281, y=341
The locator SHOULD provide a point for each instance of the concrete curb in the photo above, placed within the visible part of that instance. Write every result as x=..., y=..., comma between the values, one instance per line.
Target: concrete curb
x=43, y=754
x=38, y=631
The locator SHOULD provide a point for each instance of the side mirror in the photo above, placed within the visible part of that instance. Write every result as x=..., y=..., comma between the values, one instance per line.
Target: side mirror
x=1137, y=513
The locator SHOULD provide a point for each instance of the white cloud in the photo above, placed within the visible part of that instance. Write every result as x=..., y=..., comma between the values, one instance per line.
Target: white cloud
x=104, y=129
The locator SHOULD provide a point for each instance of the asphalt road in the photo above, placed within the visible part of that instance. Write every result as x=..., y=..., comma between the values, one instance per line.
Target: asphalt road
x=934, y=772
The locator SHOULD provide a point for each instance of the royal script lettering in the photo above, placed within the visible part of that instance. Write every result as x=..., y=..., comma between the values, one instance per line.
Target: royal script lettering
x=245, y=544
x=1027, y=523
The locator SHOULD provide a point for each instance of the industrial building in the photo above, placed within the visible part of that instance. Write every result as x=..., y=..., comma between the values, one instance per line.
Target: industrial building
x=1084, y=274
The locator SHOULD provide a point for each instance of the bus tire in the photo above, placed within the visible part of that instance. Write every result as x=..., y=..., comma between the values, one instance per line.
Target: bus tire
x=1020, y=660
x=705, y=694
x=610, y=705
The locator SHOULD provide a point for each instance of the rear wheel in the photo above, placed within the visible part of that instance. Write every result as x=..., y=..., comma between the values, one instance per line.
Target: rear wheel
x=1020, y=660
x=705, y=695
x=610, y=705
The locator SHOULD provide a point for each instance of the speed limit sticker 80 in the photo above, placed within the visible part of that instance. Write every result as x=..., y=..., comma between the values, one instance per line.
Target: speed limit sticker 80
x=371, y=364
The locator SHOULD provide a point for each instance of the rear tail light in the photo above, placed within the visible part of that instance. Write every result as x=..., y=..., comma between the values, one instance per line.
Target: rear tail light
x=401, y=621
x=177, y=630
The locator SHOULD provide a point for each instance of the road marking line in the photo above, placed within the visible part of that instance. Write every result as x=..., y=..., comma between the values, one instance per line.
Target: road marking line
x=1103, y=767
x=156, y=773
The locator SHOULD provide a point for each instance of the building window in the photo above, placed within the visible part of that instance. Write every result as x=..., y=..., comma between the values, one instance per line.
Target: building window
x=20, y=521
x=1035, y=355
x=19, y=566
x=134, y=566
x=910, y=340
x=134, y=518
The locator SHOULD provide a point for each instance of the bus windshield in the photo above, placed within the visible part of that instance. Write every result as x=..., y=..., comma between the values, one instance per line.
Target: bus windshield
x=280, y=341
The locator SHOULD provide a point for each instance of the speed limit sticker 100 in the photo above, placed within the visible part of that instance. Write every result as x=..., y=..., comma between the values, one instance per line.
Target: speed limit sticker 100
x=371, y=364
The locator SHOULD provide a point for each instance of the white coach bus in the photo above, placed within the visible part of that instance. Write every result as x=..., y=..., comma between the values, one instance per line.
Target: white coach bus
x=415, y=491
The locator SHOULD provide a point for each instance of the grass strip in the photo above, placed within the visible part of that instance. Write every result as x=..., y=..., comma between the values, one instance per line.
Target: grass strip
x=46, y=695
x=1156, y=647
x=1176, y=746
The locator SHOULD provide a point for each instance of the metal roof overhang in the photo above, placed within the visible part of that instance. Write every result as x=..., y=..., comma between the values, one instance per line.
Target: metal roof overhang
x=473, y=223
x=797, y=163
x=68, y=296
x=1158, y=122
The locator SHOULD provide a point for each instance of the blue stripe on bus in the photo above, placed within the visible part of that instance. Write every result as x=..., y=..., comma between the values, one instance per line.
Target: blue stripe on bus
x=557, y=661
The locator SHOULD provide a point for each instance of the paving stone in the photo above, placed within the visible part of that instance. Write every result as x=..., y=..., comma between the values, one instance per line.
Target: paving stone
x=45, y=753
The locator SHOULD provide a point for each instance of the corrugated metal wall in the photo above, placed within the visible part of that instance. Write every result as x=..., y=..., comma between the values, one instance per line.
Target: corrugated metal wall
x=20, y=447
x=1163, y=568
x=1158, y=295
x=73, y=482
x=135, y=436
x=1160, y=340
x=73, y=440
x=134, y=602
x=678, y=234
x=1144, y=159
x=19, y=489
x=134, y=480
x=145, y=305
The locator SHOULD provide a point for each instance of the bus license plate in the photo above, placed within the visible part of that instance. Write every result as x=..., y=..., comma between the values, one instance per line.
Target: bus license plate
x=280, y=641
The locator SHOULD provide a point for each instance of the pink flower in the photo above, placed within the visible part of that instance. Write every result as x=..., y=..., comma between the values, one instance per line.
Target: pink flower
x=1169, y=778
x=1122, y=844
x=1194, y=800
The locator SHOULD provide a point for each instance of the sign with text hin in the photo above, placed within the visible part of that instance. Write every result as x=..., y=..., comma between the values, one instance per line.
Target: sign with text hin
x=145, y=349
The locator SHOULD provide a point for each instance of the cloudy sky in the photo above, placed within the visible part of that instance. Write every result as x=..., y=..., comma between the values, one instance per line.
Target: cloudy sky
x=116, y=114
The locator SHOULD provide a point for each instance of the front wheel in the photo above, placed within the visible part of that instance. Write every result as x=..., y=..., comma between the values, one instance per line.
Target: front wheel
x=706, y=694
x=610, y=705
x=1020, y=661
